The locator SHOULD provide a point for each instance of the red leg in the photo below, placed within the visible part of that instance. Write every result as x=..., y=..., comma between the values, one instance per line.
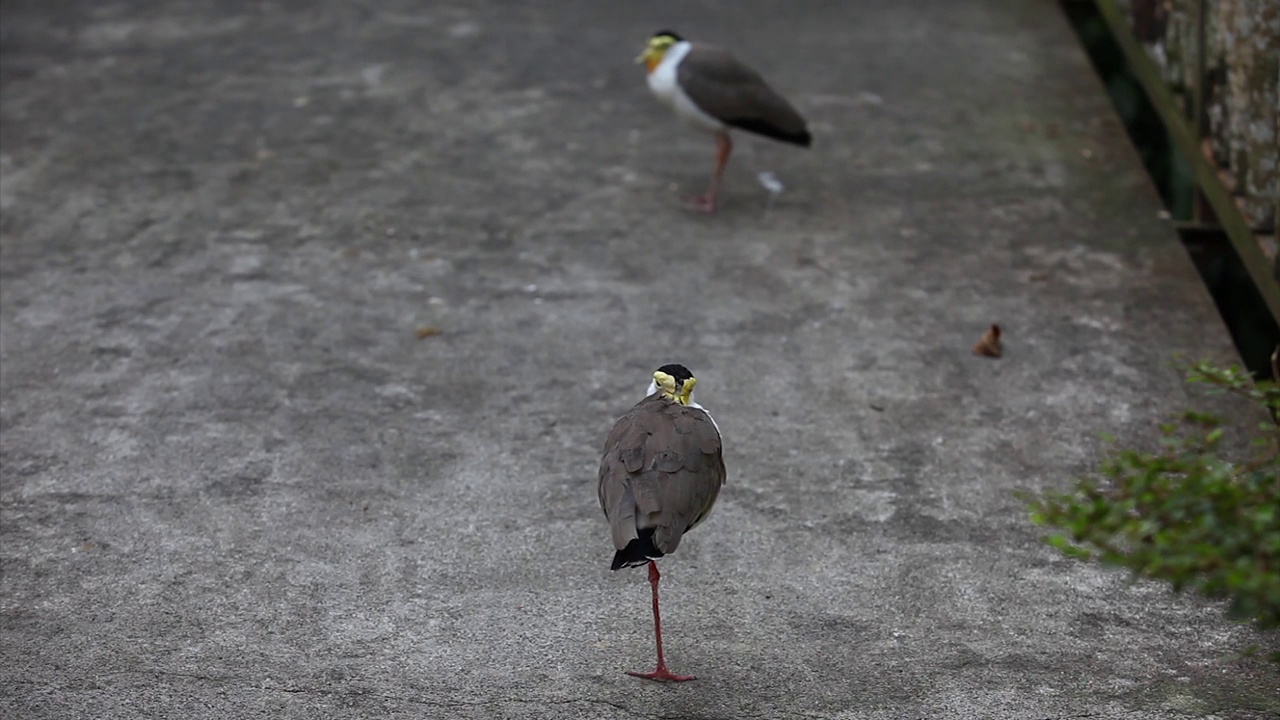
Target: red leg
x=661, y=673
x=707, y=203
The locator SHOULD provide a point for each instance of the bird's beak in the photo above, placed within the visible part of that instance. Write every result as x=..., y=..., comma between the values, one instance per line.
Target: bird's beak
x=643, y=56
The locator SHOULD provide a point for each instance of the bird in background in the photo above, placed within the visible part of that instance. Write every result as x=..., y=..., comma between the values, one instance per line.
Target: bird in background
x=661, y=472
x=711, y=89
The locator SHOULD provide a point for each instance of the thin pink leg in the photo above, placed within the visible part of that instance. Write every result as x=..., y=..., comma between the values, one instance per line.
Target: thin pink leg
x=707, y=203
x=661, y=673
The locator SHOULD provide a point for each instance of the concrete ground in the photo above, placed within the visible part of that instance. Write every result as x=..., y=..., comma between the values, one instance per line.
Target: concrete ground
x=237, y=483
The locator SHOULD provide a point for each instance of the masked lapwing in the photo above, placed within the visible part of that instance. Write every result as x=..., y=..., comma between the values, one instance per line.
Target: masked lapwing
x=660, y=475
x=711, y=89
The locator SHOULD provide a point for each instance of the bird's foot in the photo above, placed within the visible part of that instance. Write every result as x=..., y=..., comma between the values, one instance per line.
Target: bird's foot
x=701, y=203
x=662, y=674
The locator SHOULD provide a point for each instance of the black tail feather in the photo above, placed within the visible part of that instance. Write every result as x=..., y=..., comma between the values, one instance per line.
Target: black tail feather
x=637, y=552
x=760, y=127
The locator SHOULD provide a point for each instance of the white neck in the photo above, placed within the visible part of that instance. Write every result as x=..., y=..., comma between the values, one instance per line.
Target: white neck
x=663, y=81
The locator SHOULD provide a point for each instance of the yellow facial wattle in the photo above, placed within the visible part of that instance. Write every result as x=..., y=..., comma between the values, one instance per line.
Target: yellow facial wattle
x=667, y=386
x=686, y=391
x=651, y=57
x=655, y=51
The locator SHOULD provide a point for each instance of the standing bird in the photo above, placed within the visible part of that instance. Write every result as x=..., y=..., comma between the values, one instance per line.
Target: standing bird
x=660, y=475
x=711, y=89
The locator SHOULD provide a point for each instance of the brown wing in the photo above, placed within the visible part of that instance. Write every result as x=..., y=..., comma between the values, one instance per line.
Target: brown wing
x=661, y=472
x=724, y=88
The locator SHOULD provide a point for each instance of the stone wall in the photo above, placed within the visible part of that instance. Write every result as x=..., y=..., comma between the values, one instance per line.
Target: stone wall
x=1242, y=90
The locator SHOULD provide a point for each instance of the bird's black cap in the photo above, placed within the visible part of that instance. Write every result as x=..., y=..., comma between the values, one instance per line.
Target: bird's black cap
x=668, y=33
x=677, y=371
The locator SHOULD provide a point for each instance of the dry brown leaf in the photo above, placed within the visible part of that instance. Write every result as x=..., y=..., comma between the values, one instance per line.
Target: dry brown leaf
x=428, y=331
x=989, y=345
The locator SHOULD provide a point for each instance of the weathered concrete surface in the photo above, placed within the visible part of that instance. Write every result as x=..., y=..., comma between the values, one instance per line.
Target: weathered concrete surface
x=237, y=485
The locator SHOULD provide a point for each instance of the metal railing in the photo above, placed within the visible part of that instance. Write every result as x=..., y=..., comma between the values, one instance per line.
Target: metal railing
x=1214, y=207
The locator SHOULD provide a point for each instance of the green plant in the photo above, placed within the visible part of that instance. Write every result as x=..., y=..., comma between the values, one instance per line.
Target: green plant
x=1186, y=514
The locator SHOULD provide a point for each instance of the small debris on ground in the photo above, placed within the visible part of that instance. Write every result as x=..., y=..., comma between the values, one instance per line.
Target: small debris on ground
x=427, y=331
x=989, y=345
x=773, y=185
x=770, y=182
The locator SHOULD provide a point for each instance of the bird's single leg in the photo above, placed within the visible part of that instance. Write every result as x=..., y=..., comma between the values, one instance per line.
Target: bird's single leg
x=724, y=146
x=660, y=673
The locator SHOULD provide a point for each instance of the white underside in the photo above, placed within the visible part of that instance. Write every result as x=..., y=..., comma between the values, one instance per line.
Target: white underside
x=665, y=85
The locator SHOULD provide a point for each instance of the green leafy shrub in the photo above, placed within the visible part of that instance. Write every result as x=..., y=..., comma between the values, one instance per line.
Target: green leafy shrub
x=1185, y=514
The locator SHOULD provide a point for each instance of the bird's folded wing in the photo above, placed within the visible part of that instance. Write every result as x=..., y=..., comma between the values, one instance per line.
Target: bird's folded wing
x=662, y=468
x=721, y=86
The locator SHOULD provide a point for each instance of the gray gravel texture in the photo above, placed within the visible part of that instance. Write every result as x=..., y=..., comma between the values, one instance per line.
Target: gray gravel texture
x=237, y=484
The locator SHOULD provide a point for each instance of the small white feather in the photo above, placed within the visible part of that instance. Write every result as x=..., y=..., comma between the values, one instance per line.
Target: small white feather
x=770, y=182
